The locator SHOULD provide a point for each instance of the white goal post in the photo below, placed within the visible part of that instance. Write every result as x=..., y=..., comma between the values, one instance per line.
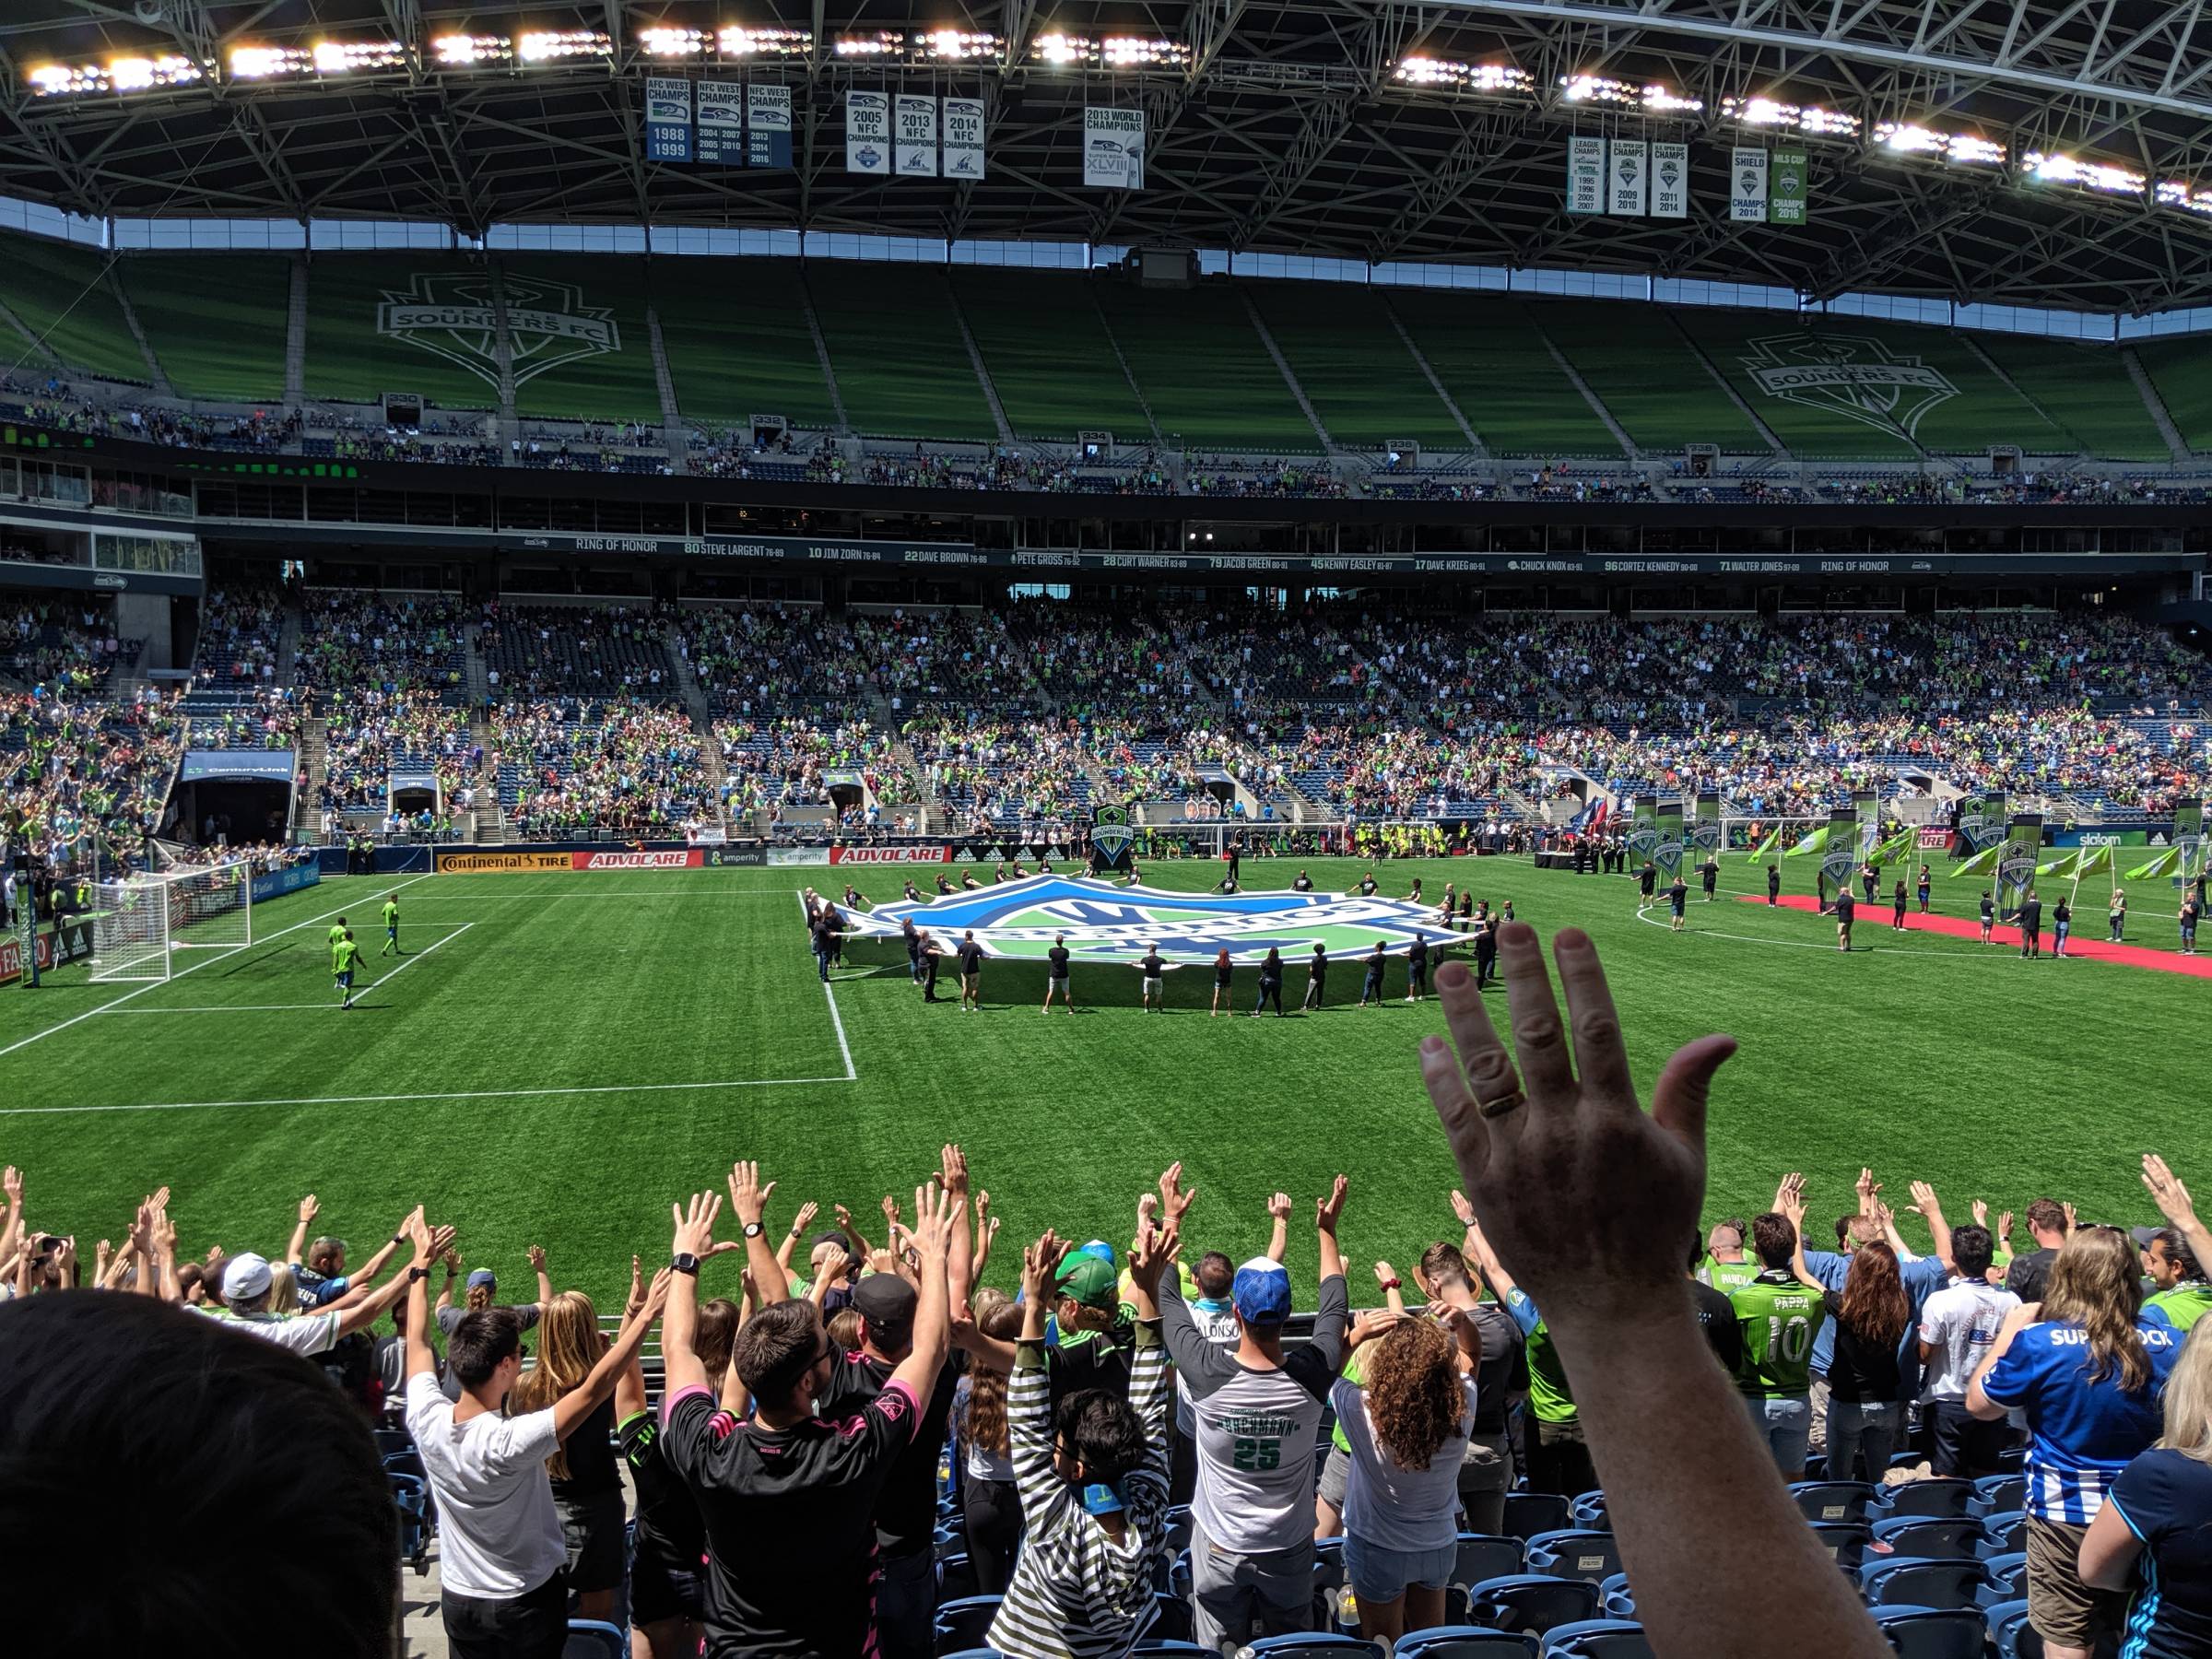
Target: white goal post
x=139, y=923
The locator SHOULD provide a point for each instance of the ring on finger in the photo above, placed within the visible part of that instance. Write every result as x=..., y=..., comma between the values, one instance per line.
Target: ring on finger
x=1502, y=1104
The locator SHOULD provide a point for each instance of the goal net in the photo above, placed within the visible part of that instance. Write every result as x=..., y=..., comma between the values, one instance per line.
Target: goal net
x=139, y=923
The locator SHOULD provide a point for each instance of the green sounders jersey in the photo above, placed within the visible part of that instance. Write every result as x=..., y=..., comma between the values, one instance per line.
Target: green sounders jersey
x=343, y=953
x=2185, y=1304
x=1780, y=1318
x=1547, y=1395
x=392, y=913
x=1727, y=1278
x=336, y=935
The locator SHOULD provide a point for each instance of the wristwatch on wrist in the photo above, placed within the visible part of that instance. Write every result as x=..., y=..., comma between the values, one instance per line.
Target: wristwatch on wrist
x=399, y=1238
x=416, y=1274
x=753, y=1229
x=685, y=1262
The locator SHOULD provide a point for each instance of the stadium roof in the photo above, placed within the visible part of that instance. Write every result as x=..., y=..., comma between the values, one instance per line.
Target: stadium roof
x=2057, y=152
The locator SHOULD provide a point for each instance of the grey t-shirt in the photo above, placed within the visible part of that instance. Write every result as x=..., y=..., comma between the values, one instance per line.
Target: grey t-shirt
x=448, y=1317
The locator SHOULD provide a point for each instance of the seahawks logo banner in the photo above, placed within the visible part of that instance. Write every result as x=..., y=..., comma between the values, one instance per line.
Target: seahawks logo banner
x=1106, y=922
x=1111, y=837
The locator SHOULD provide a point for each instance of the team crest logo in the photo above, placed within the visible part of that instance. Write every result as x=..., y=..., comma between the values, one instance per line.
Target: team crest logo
x=454, y=315
x=1667, y=858
x=1981, y=833
x=2015, y=872
x=1643, y=841
x=1112, y=835
x=1851, y=375
x=1107, y=924
x=1837, y=863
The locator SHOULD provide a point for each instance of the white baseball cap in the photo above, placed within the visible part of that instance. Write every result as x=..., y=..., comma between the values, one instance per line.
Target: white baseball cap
x=245, y=1277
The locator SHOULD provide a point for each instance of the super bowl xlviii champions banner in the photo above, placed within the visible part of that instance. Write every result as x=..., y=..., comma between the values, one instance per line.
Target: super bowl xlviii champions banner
x=868, y=133
x=721, y=123
x=1113, y=148
x=915, y=154
x=768, y=126
x=1103, y=922
x=668, y=118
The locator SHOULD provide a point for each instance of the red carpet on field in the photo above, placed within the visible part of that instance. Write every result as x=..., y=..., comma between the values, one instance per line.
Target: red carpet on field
x=1875, y=918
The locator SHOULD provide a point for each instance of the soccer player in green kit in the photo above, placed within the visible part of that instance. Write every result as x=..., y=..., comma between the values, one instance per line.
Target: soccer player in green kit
x=343, y=954
x=391, y=927
x=337, y=933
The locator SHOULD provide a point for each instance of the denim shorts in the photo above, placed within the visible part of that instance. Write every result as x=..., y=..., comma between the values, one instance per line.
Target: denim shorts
x=1377, y=1574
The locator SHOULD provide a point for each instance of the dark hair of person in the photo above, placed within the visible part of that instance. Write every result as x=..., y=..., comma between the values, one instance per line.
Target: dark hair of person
x=1972, y=1250
x=1876, y=1307
x=776, y=1347
x=1216, y=1276
x=480, y=1341
x=1103, y=1431
x=1773, y=1240
x=125, y=1405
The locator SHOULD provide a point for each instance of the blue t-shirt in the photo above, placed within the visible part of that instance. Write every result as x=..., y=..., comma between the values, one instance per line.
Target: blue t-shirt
x=2166, y=1498
x=2083, y=1432
x=1922, y=1279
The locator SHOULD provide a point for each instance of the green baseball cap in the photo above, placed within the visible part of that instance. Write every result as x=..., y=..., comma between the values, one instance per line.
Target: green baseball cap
x=1084, y=1278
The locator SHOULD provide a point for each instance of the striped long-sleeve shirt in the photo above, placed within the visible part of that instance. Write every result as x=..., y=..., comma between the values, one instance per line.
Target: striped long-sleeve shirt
x=1078, y=1593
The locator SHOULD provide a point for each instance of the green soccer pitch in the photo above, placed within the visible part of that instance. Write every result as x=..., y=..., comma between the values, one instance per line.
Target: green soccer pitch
x=559, y=1056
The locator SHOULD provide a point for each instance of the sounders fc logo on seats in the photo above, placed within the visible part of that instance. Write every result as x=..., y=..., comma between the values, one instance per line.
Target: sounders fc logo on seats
x=1852, y=375
x=455, y=315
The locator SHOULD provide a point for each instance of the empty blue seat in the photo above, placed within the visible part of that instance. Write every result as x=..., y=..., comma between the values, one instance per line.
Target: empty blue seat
x=1589, y=1510
x=2011, y=1633
x=2008, y=1578
x=410, y=1498
x=965, y=1623
x=2004, y=1531
x=1483, y=1556
x=1943, y=1495
x=591, y=1638
x=1599, y=1639
x=1846, y=1541
x=1931, y=1632
x=1318, y=1645
x=1179, y=1525
x=1996, y=1494
x=1465, y=1642
x=1932, y=1538
x=1528, y=1513
x=1149, y=1646
x=1533, y=1602
x=955, y=1578
x=1910, y=1582
x=1574, y=1552
x=1619, y=1600
x=1833, y=1499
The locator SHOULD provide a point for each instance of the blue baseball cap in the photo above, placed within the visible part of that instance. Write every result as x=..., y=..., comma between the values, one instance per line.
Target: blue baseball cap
x=1100, y=1248
x=482, y=1275
x=1261, y=1292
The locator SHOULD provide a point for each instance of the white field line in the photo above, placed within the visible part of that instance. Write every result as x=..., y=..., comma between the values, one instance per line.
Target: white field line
x=466, y=1094
x=289, y=1008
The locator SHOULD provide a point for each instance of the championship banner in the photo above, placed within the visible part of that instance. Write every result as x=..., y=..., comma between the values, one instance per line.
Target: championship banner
x=671, y=858
x=668, y=118
x=963, y=137
x=1670, y=181
x=1748, y=187
x=1113, y=148
x=915, y=154
x=1667, y=853
x=1107, y=923
x=891, y=855
x=768, y=126
x=499, y=864
x=722, y=123
x=1585, y=175
x=867, y=133
x=1786, y=206
x=1628, y=177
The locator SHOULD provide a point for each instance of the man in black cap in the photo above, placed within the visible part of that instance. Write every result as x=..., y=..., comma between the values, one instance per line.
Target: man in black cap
x=2030, y=918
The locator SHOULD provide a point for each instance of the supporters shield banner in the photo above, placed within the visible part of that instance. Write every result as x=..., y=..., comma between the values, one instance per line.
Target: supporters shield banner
x=963, y=137
x=1670, y=181
x=1628, y=177
x=768, y=126
x=1113, y=148
x=1748, y=187
x=668, y=118
x=868, y=133
x=1585, y=175
x=915, y=155
x=1785, y=205
x=721, y=123
x=1106, y=922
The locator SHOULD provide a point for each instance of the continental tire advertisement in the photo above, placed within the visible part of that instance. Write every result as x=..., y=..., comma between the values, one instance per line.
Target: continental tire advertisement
x=500, y=864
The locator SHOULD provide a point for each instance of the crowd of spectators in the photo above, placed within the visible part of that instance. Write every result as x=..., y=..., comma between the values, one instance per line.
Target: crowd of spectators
x=67, y=644
x=542, y=650
x=922, y=1442
x=72, y=766
x=353, y=638
x=368, y=732
x=569, y=763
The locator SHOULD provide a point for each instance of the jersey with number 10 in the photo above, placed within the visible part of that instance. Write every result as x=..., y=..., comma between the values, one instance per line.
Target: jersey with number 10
x=1780, y=1318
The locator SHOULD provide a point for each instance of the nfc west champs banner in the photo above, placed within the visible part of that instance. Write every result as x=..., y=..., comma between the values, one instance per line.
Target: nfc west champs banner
x=867, y=133
x=916, y=152
x=1670, y=181
x=768, y=126
x=1628, y=172
x=963, y=137
x=1585, y=175
x=722, y=123
x=1786, y=204
x=1113, y=148
x=1748, y=187
x=668, y=118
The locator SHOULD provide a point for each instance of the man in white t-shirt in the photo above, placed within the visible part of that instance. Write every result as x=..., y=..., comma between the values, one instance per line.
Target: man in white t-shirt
x=245, y=1307
x=1957, y=1326
x=503, y=1576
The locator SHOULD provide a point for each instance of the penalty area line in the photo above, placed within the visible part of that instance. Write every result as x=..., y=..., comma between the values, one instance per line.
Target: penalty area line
x=463, y=1094
x=294, y=1008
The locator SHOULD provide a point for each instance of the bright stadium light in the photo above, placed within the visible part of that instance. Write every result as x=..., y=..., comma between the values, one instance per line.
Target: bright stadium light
x=558, y=46
x=1811, y=120
x=1596, y=89
x=1500, y=78
x=1058, y=48
x=2189, y=198
x=1965, y=149
x=2101, y=176
x=666, y=43
x=126, y=73
x=262, y=62
x=463, y=51
x=736, y=43
x=958, y=45
x=1142, y=52
x=1665, y=100
x=884, y=43
x=1433, y=72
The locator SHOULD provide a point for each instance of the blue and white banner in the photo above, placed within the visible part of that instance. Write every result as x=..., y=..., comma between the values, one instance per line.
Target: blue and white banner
x=868, y=133
x=1113, y=148
x=768, y=126
x=275, y=764
x=721, y=123
x=668, y=118
x=963, y=137
x=1106, y=922
x=278, y=883
x=917, y=147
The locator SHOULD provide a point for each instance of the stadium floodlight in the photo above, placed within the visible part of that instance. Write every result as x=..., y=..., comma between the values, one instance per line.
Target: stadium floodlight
x=2104, y=177
x=736, y=43
x=1967, y=150
x=1665, y=100
x=1596, y=88
x=1058, y=48
x=884, y=43
x=354, y=57
x=2189, y=198
x=128, y=73
x=467, y=51
x=561, y=45
x=1142, y=52
x=263, y=62
x=1811, y=120
x=664, y=41
x=958, y=45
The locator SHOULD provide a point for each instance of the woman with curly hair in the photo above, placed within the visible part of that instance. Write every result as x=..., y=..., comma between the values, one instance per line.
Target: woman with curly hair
x=1408, y=1424
x=587, y=1484
x=1866, y=1404
x=990, y=1503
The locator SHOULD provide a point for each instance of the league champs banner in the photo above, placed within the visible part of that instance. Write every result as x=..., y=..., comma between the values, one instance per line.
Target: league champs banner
x=668, y=118
x=868, y=133
x=1585, y=175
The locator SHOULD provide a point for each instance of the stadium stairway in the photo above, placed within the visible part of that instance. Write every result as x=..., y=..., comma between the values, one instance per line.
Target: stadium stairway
x=672, y=420
x=1459, y=418
x=1122, y=361
x=821, y=351
x=983, y=372
x=1719, y=380
x=1259, y=324
x=703, y=720
x=156, y=375
x=1597, y=407
x=2159, y=414
x=295, y=340
x=314, y=758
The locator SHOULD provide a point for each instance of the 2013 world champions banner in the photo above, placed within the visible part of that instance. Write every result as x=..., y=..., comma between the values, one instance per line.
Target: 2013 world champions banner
x=1104, y=922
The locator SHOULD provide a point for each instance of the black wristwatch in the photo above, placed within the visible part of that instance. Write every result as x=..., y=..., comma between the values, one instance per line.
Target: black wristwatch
x=414, y=1275
x=753, y=1229
x=685, y=1262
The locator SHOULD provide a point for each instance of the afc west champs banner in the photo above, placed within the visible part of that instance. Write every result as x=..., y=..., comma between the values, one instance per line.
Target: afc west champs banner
x=868, y=133
x=1113, y=148
x=668, y=118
